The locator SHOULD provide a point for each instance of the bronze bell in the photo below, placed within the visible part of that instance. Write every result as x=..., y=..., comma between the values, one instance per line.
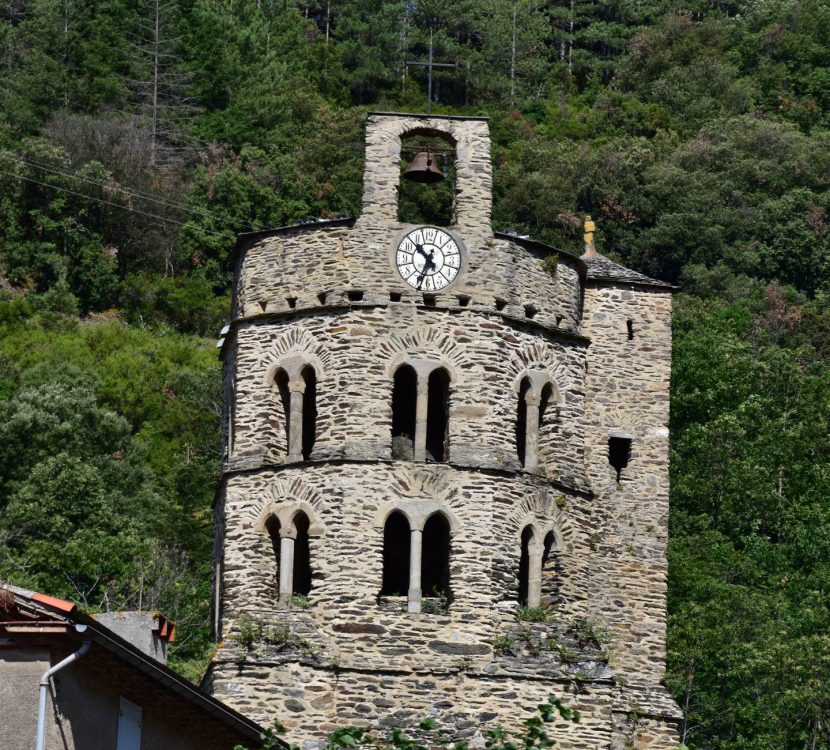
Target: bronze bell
x=424, y=169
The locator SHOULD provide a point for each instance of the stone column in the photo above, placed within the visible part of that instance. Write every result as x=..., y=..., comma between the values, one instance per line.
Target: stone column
x=286, y=566
x=420, y=448
x=532, y=402
x=295, y=422
x=534, y=574
x=414, y=595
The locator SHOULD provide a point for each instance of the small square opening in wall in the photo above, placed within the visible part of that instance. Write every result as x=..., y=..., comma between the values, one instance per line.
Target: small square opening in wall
x=291, y=301
x=355, y=296
x=463, y=300
x=619, y=452
x=429, y=300
x=530, y=311
x=395, y=296
x=500, y=303
x=322, y=298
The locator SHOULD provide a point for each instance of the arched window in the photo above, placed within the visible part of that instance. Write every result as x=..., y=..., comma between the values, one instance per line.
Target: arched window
x=296, y=383
x=292, y=552
x=302, y=556
x=524, y=564
x=535, y=395
x=396, y=552
x=404, y=399
x=435, y=557
x=420, y=412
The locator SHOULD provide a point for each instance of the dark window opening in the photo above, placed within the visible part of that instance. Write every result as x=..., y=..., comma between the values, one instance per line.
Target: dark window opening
x=292, y=302
x=544, y=402
x=396, y=540
x=302, y=556
x=463, y=300
x=281, y=380
x=524, y=565
x=521, y=420
x=551, y=570
x=322, y=298
x=272, y=526
x=420, y=203
x=501, y=304
x=438, y=401
x=355, y=296
x=630, y=325
x=429, y=300
x=309, y=410
x=404, y=396
x=435, y=560
x=530, y=311
x=394, y=296
x=619, y=453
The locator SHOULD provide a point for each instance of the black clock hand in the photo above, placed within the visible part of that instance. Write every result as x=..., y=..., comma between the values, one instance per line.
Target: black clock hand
x=420, y=249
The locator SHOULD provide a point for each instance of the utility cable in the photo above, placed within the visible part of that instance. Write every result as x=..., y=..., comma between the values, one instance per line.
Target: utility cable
x=110, y=203
x=132, y=192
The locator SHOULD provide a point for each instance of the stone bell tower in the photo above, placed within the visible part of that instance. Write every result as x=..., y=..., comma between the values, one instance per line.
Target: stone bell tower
x=445, y=488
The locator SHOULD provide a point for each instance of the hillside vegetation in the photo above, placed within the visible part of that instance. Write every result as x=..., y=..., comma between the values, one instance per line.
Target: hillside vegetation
x=137, y=138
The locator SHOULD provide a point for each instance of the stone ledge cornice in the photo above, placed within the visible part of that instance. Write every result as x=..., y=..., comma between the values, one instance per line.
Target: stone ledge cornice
x=317, y=311
x=228, y=470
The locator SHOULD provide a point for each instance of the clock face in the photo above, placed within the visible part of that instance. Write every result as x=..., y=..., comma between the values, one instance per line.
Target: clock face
x=428, y=259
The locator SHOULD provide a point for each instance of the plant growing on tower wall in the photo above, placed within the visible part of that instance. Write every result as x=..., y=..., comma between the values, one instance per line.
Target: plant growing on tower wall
x=533, y=735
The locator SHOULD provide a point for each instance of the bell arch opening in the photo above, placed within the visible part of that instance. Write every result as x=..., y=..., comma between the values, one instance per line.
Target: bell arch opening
x=396, y=541
x=426, y=190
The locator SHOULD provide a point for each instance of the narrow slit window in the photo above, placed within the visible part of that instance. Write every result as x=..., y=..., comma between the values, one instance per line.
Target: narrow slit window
x=404, y=397
x=437, y=415
x=272, y=526
x=435, y=560
x=551, y=569
x=629, y=324
x=521, y=421
x=619, y=453
x=309, y=410
x=524, y=565
x=396, y=541
x=281, y=381
x=302, y=556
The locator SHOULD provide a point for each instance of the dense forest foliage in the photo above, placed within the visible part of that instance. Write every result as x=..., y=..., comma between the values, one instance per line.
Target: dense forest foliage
x=138, y=137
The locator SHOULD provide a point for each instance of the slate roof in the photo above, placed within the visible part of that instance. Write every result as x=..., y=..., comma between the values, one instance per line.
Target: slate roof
x=601, y=268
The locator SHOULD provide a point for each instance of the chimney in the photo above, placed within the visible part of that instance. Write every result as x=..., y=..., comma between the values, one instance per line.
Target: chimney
x=149, y=632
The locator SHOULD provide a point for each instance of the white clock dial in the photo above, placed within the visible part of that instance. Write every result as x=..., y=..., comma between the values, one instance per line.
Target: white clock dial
x=428, y=259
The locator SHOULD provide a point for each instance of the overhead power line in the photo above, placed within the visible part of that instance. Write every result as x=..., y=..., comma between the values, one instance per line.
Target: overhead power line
x=132, y=192
x=110, y=203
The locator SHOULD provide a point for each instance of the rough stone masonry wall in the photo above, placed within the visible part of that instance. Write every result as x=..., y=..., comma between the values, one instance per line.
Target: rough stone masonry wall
x=355, y=353
x=627, y=389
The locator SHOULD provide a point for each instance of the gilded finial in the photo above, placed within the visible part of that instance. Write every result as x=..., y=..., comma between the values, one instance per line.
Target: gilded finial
x=588, y=236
